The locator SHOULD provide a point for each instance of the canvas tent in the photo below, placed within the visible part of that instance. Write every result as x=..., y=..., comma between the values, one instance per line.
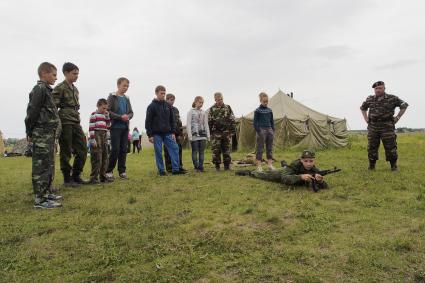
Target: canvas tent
x=296, y=125
x=1, y=143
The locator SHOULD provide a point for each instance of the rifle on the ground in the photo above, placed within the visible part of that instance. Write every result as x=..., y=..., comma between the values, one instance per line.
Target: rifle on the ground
x=322, y=173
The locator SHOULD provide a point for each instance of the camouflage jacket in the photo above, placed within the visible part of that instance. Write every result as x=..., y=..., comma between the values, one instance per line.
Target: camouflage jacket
x=178, y=121
x=66, y=98
x=382, y=110
x=291, y=175
x=221, y=119
x=41, y=111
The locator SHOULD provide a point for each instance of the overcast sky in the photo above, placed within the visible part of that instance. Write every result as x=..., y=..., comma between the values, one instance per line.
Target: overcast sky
x=328, y=52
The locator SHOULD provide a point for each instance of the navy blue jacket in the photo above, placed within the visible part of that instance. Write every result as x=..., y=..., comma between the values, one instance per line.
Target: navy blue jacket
x=160, y=119
x=263, y=118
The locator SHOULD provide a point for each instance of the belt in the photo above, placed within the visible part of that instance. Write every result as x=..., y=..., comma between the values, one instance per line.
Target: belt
x=382, y=120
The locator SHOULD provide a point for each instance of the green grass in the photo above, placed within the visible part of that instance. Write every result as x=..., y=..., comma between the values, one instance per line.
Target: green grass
x=216, y=227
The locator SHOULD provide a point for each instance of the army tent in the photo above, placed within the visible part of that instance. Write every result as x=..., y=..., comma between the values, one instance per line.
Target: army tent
x=1, y=143
x=296, y=125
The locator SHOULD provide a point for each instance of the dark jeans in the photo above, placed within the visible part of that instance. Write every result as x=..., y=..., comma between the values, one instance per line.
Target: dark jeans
x=119, y=140
x=198, y=149
x=136, y=146
x=168, y=159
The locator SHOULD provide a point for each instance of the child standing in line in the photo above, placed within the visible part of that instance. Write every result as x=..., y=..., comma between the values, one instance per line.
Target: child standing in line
x=98, y=130
x=198, y=132
x=264, y=126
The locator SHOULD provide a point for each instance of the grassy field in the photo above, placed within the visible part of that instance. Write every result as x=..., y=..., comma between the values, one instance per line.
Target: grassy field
x=216, y=227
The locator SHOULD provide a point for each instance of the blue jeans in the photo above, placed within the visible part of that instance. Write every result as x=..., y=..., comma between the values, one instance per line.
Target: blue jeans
x=173, y=151
x=198, y=148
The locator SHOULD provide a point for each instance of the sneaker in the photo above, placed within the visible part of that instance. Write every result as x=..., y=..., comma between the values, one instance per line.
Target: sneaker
x=259, y=169
x=179, y=172
x=109, y=176
x=47, y=204
x=271, y=168
x=77, y=179
x=182, y=169
x=53, y=197
x=123, y=176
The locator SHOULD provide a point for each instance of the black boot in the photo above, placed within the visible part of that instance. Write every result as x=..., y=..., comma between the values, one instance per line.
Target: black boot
x=226, y=166
x=393, y=165
x=217, y=167
x=372, y=164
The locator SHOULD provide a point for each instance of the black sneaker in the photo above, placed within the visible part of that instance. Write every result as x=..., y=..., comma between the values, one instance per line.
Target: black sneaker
x=179, y=172
x=78, y=180
x=182, y=169
x=162, y=173
x=94, y=181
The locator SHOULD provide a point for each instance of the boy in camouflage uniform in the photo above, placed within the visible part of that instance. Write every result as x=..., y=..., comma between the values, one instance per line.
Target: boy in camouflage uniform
x=42, y=123
x=72, y=140
x=381, y=124
x=221, y=122
x=299, y=173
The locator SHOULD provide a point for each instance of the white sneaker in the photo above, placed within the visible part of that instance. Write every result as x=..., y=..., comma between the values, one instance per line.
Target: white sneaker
x=259, y=169
x=271, y=168
x=109, y=176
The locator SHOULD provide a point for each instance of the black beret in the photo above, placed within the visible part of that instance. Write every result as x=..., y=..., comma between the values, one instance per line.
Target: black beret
x=378, y=83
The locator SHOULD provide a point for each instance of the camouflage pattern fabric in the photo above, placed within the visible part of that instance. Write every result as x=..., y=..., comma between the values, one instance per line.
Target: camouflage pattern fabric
x=66, y=98
x=289, y=175
x=221, y=122
x=381, y=124
x=43, y=161
x=220, y=145
x=99, y=156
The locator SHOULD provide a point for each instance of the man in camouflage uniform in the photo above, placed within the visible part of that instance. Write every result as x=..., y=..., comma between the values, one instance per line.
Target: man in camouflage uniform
x=42, y=124
x=222, y=126
x=381, y=124
x=299, y=173
x=72, y=139
x=170, y=98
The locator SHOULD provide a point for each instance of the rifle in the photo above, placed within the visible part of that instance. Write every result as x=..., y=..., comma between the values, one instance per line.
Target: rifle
x=322, y=173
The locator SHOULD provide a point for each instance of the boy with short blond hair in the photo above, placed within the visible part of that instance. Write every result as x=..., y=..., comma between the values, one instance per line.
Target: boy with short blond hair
x=41, y=123
x=264, y=126
x=98, y=131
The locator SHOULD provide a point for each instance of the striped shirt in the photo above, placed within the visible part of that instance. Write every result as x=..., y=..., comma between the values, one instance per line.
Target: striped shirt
x=98, y=122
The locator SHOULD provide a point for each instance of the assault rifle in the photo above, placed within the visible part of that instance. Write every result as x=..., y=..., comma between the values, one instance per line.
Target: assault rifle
x=322, y=173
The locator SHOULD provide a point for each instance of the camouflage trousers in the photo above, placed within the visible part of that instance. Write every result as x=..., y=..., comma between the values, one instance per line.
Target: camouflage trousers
x=386, y=133
x=99, y=156
x=43, y=161
x=220, y=145
x=276, y=176
x=72, y=141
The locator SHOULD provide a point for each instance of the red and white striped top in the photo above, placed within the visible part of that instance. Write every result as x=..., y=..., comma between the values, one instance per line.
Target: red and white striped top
x=98, y=122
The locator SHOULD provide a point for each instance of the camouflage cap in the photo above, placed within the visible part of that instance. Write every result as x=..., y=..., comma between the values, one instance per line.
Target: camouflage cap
x=308, y=154
x=378, y=83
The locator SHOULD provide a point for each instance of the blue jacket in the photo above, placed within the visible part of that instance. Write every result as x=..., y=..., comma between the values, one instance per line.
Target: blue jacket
x=263, y=118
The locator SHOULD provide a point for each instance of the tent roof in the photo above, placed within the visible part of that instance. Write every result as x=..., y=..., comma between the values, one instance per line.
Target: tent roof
x=283, y=105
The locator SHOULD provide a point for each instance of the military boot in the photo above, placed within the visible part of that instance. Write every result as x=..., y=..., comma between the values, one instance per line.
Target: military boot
x=372, y=164
x=226, y=166
x=393, y=165
x=217, y=167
